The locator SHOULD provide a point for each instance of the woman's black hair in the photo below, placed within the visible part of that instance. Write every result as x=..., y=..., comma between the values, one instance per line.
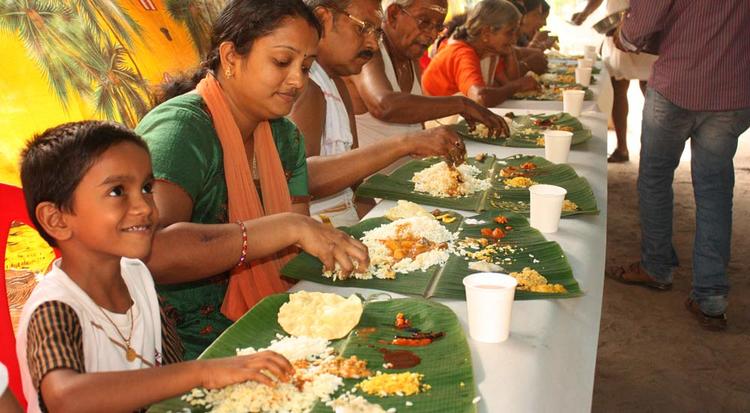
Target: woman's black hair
x=240, y=22
x=450, y=28
x=532, y=5
x=520, y=6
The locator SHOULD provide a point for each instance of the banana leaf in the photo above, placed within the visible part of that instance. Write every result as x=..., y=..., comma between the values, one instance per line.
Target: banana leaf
x=531, y=249
x=525, y=134
x=398, y=186
x=446, y=363
x=553, y=92
x=567, y=66
x=561, y=79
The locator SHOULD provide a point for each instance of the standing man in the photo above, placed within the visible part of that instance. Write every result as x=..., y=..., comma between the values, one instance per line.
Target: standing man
x=323, y=113
x=387, y=95
x=699, y=89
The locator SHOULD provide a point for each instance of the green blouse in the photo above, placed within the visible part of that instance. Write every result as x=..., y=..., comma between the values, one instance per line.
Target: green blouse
x=186, y=151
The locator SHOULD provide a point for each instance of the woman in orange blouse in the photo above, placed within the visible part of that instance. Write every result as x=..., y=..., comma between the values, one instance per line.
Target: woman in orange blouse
x=490, y=31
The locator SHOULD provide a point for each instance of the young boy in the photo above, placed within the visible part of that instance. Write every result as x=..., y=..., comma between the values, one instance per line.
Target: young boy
x=92, y=327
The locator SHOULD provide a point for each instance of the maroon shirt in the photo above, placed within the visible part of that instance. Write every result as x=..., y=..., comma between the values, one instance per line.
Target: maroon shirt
x=703, y=47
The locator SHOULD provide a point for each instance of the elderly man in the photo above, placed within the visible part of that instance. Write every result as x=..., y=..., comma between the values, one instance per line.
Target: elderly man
x=351, y=29
x=387, y=95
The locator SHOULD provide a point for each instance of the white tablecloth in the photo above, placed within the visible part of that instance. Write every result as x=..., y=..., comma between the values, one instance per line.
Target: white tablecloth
x=602, y=102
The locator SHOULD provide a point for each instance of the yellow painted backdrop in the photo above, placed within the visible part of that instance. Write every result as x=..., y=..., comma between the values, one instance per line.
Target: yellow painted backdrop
x=37, y=38
x=29, y=103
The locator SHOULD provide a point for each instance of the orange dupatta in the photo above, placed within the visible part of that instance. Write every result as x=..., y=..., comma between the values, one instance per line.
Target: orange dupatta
x=248, y=284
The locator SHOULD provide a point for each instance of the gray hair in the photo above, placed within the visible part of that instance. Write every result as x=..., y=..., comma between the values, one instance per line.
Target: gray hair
x=494, y=14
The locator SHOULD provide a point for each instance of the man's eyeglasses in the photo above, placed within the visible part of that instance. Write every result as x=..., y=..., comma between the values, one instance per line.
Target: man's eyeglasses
x=425, y=25
x=365, y=28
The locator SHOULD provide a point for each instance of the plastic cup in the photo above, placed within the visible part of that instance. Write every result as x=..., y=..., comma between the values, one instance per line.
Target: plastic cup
x=585, y=62
x=573, y=101
x=589, y=52
x=489, y=300
x=546, y=206
x=583, y=76
x=557, y=145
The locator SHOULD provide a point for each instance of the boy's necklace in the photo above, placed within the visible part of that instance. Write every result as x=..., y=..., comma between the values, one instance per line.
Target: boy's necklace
x=130, y=354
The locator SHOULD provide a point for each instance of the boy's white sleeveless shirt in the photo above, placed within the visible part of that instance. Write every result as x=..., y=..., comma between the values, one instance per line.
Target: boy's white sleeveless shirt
x=99, y=353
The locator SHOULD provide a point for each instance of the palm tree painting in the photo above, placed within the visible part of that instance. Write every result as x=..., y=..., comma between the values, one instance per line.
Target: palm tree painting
x=118, y=91
x=82, y=47
x=197, y=16
x=34, y=22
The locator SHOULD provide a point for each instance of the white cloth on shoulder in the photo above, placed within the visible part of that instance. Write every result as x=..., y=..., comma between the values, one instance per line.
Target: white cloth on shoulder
x=337, y=135
x=335, y=139
x=99, y=353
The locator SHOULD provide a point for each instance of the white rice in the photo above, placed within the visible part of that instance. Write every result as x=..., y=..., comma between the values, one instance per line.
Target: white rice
x=472, y=221
x=383, y=265
x=349, y=403
x=251, y=396
x=293, y=348
x=438, y=181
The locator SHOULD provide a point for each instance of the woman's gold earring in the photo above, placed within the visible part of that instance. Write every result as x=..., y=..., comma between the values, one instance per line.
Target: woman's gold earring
x=228, y=73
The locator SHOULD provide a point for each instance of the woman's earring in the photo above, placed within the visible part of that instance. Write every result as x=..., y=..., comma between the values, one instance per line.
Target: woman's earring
x=228, y=73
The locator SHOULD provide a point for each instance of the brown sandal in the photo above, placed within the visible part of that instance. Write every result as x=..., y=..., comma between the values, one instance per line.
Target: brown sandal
x=709, y=322
x=634, y=274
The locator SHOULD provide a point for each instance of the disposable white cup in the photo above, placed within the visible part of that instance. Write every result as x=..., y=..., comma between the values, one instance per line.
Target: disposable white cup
x=585, y=62
x=557, y=145
x=589, y=52
x=546, y=206
x=573, y=101
x=583, y=76
x=489, y=300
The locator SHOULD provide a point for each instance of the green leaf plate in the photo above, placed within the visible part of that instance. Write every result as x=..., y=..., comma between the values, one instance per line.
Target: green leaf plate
x=530, y=249
x=446, y=363
x=524, y=134
x=398, y=185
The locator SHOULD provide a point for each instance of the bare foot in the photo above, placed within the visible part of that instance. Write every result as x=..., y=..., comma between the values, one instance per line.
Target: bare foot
x=618, y=156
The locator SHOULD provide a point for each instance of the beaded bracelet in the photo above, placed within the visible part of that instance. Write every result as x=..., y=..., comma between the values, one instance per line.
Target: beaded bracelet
x=243, y=254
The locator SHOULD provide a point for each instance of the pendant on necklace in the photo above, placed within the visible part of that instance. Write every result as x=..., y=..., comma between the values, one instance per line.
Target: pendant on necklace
x=130, y=354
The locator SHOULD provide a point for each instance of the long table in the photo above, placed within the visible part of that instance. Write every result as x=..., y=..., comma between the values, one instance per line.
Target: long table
x=548, y=362
x=602, y=101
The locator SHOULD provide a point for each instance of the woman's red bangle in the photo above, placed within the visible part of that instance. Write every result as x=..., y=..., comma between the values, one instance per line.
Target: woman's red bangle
x=243, y=254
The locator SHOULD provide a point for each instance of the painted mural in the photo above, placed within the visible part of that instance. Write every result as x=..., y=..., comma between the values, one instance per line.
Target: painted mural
x=67, y=60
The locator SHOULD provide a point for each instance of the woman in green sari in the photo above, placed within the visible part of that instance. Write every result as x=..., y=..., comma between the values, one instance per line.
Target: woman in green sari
x=261, y=52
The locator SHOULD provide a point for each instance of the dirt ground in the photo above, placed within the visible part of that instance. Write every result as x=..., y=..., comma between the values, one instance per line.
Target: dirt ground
x=653, y=356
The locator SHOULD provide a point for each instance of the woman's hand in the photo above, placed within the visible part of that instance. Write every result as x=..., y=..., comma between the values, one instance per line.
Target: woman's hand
x=536, y=62
x=543, y=41
x=475, y=113
x=331, y=246
x=441, y=141
x=526, y=83
x=261, y=367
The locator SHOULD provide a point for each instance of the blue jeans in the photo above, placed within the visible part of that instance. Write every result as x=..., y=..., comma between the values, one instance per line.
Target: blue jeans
x=666, y=127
